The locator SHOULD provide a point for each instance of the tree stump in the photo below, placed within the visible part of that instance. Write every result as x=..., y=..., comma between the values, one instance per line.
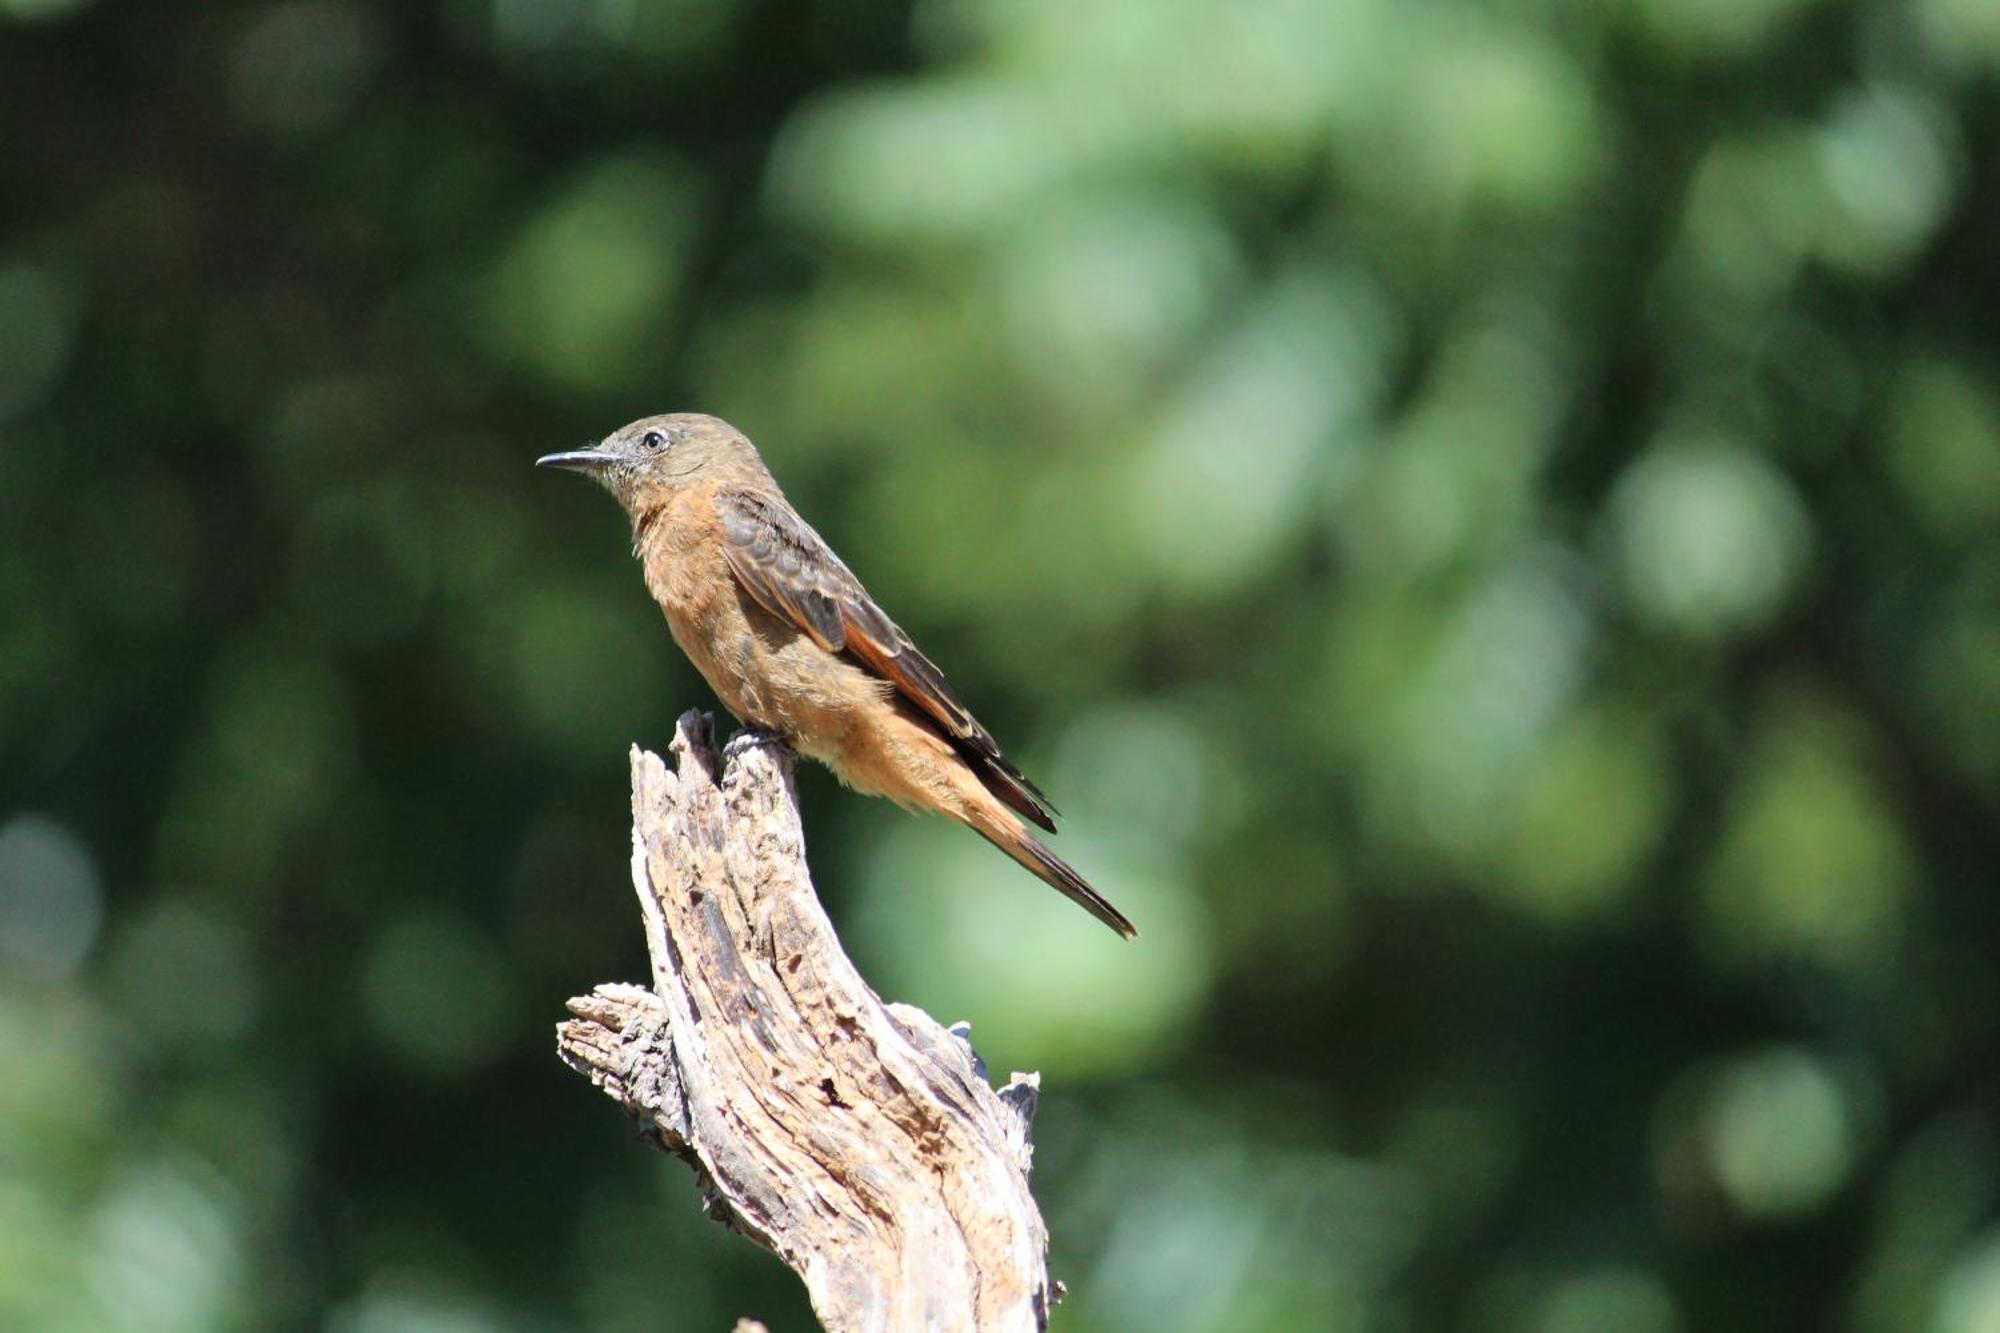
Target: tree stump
x=858, y=1141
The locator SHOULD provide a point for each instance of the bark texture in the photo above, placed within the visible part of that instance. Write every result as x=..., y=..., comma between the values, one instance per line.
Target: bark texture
x=856, y=1140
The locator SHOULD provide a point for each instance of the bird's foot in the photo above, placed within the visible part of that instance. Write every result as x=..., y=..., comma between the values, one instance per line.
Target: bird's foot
x=749, y=738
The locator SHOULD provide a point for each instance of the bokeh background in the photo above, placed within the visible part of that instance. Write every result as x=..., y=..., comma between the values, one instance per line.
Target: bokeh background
x=1486, y=517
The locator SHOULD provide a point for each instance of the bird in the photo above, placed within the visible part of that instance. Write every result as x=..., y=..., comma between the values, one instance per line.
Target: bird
x=792, y=643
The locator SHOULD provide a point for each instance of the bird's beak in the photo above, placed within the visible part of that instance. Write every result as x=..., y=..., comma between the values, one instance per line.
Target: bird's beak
x=578, y=460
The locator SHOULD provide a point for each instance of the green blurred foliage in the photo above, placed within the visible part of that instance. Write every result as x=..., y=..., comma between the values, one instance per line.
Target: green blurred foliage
x=1486, y=515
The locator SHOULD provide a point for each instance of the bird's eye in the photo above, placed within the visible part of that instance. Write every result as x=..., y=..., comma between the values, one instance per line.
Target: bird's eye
x=652, y=439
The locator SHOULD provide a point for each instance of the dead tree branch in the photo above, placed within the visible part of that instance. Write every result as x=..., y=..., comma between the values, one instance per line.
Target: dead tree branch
x=856, y=1140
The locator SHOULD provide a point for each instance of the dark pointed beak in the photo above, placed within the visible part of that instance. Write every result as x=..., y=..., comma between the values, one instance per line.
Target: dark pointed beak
x=578, y=460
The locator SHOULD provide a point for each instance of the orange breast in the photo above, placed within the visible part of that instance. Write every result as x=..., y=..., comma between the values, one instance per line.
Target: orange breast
x=762, y=668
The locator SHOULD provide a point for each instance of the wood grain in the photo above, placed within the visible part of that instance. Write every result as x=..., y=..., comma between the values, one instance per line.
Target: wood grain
x=858, y=1141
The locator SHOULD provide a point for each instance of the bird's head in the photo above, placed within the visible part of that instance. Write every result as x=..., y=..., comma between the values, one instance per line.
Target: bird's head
x=649, y=459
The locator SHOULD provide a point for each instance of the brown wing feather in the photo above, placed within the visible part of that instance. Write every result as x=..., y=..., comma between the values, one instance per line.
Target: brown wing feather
x=792, y=573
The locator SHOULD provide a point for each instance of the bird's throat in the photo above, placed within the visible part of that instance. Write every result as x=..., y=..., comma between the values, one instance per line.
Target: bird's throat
x=644, y=519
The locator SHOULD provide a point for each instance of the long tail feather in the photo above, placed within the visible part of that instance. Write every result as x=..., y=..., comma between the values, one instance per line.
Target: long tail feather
x=1052, y=870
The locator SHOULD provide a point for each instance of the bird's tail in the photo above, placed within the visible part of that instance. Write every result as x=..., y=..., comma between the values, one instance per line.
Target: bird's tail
x=1012, y=837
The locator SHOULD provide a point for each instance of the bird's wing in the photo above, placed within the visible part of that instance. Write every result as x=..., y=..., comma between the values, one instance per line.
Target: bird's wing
x=791, y=572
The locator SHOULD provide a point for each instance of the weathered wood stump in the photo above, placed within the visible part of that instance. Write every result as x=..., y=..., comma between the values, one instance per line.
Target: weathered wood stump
x=858, y=1141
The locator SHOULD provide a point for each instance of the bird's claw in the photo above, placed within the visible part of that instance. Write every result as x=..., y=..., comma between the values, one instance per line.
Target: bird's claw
x=749, y=738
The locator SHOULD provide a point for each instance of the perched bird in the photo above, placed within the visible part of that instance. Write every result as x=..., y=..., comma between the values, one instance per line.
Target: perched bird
x=791, y=642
